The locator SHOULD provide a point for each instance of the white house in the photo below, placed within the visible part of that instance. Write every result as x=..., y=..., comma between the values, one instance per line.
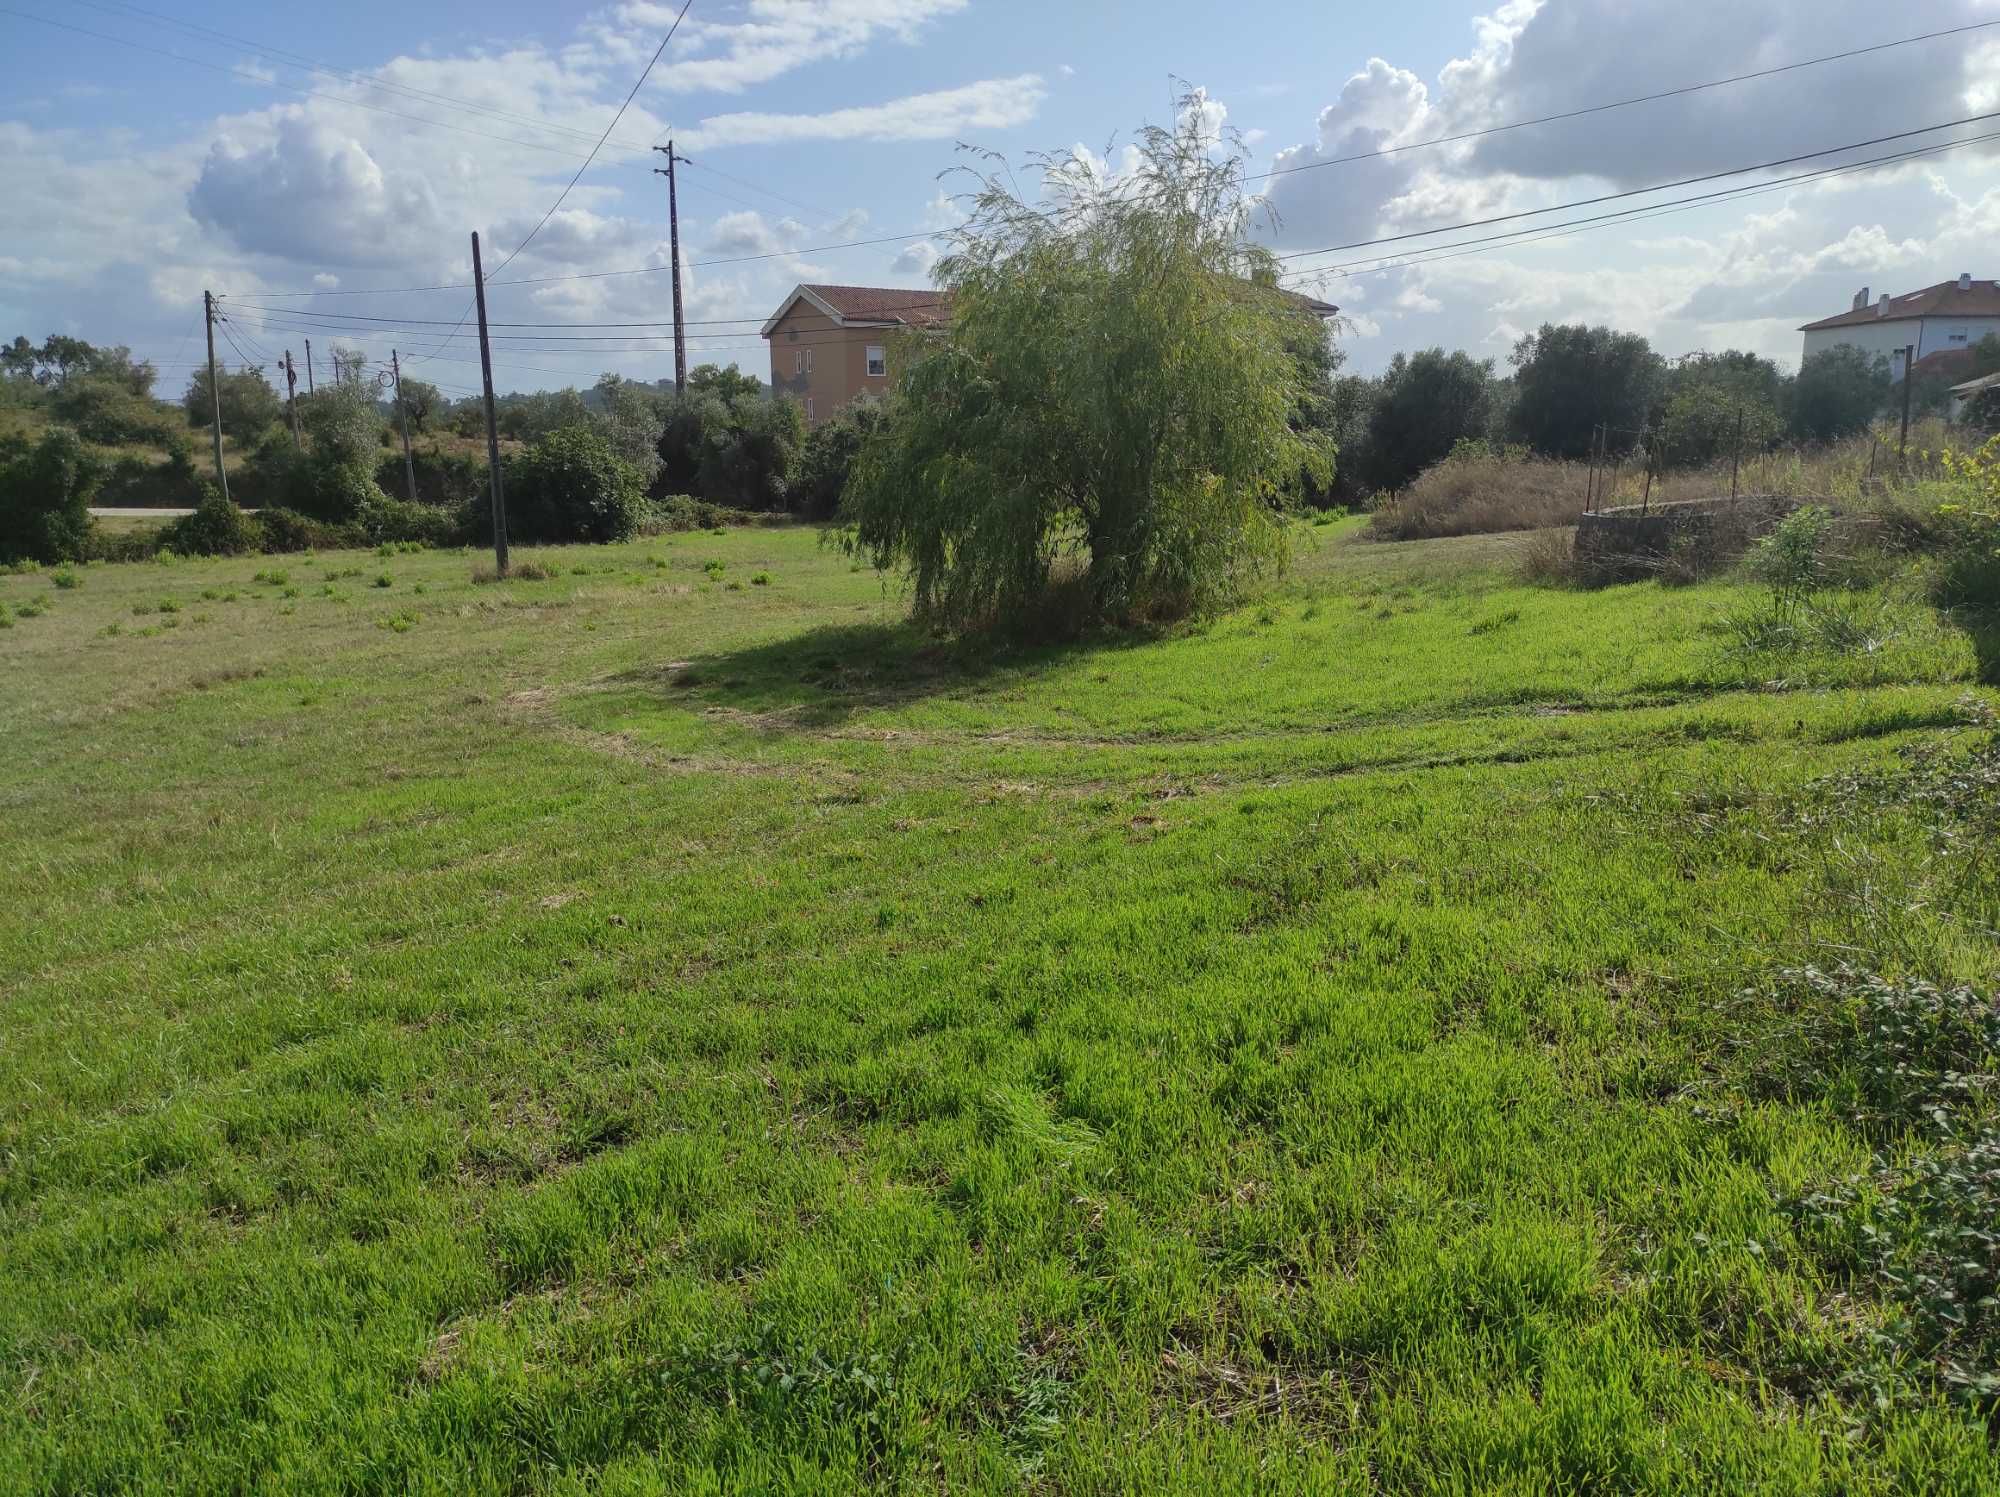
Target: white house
x=1949, y=315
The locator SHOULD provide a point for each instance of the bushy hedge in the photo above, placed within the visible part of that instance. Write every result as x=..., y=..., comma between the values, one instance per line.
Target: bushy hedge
x=216, y=528
x=568, y=486
x=45, y=493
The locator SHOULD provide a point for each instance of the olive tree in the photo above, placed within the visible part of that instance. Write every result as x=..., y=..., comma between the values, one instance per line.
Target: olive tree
x=1114, y=385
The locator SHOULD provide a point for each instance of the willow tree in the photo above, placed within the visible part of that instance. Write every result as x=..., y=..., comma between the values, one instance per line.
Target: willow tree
x=1112, y=392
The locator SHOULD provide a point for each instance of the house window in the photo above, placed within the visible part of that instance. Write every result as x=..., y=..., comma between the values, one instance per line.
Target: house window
x=877, y=364
x=809, y=408
x=1957, y=337
x=809, y=361
x=798, y=361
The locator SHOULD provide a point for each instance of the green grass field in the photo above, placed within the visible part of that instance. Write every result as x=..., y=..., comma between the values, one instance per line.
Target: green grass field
x=669, y=1027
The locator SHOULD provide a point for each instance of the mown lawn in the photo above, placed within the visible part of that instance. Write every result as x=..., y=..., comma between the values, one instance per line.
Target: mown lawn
x=657, y=1030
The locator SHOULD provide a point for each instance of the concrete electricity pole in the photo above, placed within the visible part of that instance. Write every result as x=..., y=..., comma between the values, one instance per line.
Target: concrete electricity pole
x=674, y=249
x=492, y=425
x=215, y=392
x=292, y=397
x=309, y=366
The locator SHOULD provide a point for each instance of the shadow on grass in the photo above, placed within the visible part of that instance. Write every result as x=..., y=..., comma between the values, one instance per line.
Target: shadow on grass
x=823, y=677
x=1984, y=632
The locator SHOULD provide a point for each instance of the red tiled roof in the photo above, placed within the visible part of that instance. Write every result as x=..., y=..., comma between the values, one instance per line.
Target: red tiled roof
x=1942, y=300
x=884, y=304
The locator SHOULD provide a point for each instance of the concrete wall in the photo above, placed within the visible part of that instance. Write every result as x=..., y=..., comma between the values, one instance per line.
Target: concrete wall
x=838, y=357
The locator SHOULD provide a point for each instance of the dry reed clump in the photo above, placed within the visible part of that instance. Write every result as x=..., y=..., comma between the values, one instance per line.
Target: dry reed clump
x=1480, y=495
x=1483, y=493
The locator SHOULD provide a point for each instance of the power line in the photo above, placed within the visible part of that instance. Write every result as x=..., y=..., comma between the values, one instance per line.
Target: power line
x=1668, y=93
x=1651, y=210
x=1612, y=197
x=1263, y=176
x=644, y=74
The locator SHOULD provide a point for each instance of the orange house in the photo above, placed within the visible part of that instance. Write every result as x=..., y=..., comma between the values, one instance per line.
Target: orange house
x=831, y=343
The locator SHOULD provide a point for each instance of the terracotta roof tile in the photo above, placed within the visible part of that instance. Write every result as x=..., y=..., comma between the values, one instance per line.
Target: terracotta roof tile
x=885, y=304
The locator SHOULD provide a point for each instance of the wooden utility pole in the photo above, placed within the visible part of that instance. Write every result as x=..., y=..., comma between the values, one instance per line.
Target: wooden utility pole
x=309, y=366
x=215, y=392
x=1736, y=455
x=403, y=411
x=292, y=397
x=1909, y=378
x=492, y=424
x=674, y=249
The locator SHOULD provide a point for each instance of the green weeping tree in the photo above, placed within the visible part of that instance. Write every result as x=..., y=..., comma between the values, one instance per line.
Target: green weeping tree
x=1116, y=394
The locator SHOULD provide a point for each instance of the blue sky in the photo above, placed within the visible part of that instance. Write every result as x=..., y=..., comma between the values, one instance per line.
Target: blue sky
x=137, y=179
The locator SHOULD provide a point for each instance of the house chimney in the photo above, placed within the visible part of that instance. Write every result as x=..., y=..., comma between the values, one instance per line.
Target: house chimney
x=1882, y=306
x=1861, y=298
x=1965, y=280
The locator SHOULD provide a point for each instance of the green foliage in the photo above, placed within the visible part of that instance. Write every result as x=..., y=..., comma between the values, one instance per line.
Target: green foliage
x=62, y=360
x=1838, y=391
x=1114, y=385
x=737, y=450
x=830, y=450
x=631, y=416
x=448, y=478
x=1791, y=561
x=45, y=494
x=1425, y=404
x=422, y=403
x=249, y=404
x=66, y=578
x=216, y=528
x=570, y=486
x=106, y=409
x=1569, y=379
x=530, y=417
x=343, y=426
x=1707, y=422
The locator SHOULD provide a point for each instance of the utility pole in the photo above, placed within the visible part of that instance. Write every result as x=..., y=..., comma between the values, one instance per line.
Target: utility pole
x=403, y=411
x=492, y=426
x=674, y=249
x=292, y=397
x=309, y=367
x=1736, y=455
x=215, y=392
x=1909, y=378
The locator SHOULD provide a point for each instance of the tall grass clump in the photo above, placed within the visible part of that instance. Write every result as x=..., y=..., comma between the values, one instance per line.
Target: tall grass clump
x=1481, y=490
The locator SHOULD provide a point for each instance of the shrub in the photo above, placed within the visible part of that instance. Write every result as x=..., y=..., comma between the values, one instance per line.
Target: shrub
x=1114, y=385
x=66, y=578
x=1968, y=570
x=397, y=520
x=288, y=530
x=1702, y=426
x=45, y=493
x=216, y=528
x=450, y=479
x=1837, y=392
x=109, y=411
x=828, y=456
x=570, y=486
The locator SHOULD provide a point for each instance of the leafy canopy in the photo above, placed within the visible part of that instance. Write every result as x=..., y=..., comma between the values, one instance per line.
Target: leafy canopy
x=1114, y=385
